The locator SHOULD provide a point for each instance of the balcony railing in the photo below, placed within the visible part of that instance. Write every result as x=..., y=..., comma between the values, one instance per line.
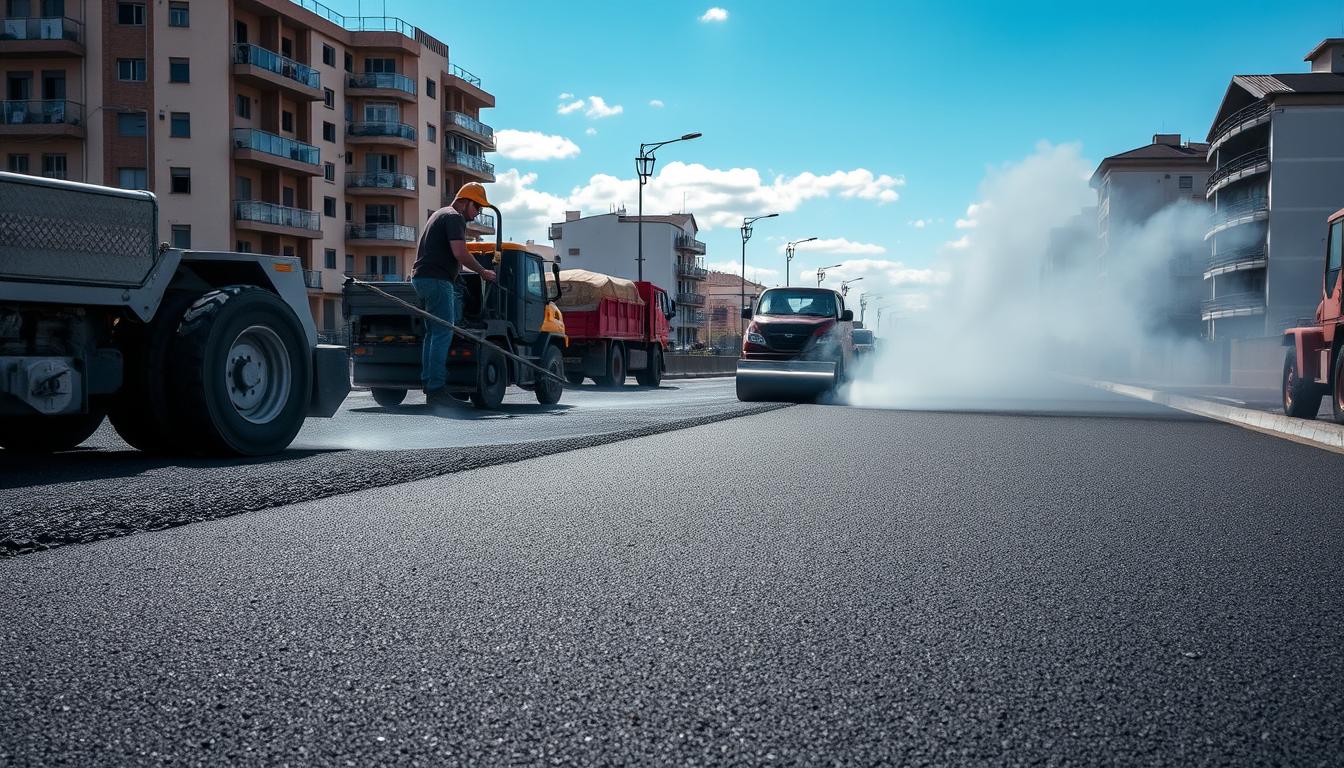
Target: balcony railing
x=399, y=232
x=457, y=71
x=276, y=215
x=279, y=146
x=389, y=129
x=555, y=232
x=391, y=81
x=692, y=271
x=472, y=124
x=380, y=181
x=312, y=278
x=1243, y=115
x=246, y=53
x=377, y=277
x=484, y=220
x=1237, y=165
x=691, y=299
x=43, y=28
x=1233, y=305
x=1239, y=208
x=42, y=112
x=690, y=243
x=471, y=161
x=1245, y=255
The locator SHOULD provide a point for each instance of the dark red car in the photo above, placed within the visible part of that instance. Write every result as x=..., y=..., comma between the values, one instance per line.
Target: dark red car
x=798, y=344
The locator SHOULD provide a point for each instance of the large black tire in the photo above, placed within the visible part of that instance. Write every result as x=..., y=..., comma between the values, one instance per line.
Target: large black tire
x=492, y=379
x=652, y=376
x=388, y=398
x=47, y=434
x=614, y=373
x=548, y=391
x=1301, y=398
x=240, y=373
x=141, y=411
x=575, y=378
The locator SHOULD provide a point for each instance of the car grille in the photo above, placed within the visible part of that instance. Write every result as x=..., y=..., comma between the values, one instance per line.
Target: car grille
x=788, y=337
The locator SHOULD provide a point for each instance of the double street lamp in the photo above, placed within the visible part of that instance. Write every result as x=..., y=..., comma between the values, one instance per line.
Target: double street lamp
x=644, y=167
x=844, y=286
x=788, y=256
x=746, y=235
x=821, y=273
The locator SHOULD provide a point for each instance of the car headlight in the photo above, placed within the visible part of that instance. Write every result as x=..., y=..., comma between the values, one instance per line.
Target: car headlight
x=756, y=338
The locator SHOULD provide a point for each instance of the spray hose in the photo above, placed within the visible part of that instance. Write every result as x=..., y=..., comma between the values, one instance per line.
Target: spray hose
x=456, y=329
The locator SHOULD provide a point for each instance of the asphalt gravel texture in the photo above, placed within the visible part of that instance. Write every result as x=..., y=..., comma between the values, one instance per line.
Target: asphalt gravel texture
x=812, y=585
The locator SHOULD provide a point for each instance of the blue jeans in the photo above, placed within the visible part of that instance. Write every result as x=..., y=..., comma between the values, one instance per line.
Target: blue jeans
x=443, y=299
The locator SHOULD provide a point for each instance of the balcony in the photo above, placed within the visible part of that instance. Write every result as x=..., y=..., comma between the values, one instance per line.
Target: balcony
x=271, y=150
x=691, y=299
x=41, y=36
x=692, y=271
x=267, y=69
x=466, y=125
x=555, y=232
x=468, y=84
x=312, y=278
x=394, y=235
x=398, y=134
x=277, y=219
x=54, y=117
x=1237, y=213
x=688, y=243
x=1237, y=260
x=1233, y=305
x=472, y=165
x=483, y=224
x=380, y=184
x=1238, y=122
x=381, y=84
x=1238, y=168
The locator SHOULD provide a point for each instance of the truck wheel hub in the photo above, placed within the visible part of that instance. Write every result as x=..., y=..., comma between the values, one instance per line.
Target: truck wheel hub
x=257, y=374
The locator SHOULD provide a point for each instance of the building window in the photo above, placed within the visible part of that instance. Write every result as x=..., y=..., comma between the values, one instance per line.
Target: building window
x=329, y=171
x=132, y=14
x=132, y=178
x=329, y=207
x=131, y=70
x=287, y=121
x=349, y=158
x=181, y=181
x=349, y=112
x=431, y=176
x=349, y=263
x=328, y=55
x=349, y=63
x=287, y=197
x=329, y=98
x=378, y=213
x=243, y=188
x=328, y=131
x=244, y=107
x=430, y=87
x=53, y=166
x=431, y=133
x=380, y=65
x=180, y=127
x=349, y=212
x=18, y=163
x=1186, y=182
x=182, y=236
x=243, y=246
x=288, y=251
x=130, y=123
x=179, y=15
x=179, y=70
x=329, y=258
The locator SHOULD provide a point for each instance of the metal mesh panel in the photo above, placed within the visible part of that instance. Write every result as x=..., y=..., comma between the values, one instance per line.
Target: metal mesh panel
x=70, y=233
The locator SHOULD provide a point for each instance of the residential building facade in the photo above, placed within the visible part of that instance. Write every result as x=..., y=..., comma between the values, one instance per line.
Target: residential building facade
x=673, y=258
x=723, y=309
x=269, y=126
x=1277, y=143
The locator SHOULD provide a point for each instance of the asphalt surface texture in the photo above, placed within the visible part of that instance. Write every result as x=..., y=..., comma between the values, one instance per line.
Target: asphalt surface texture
x=106, y=489
x=810, y=585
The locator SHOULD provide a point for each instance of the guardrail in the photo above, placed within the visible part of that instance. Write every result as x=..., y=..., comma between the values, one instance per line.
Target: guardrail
x=463, y=74
x=690, y=243
x=1237, y=256
x=255, y=55
x=692, y=271
x=470, y=161
x=1243, y=115
x=1236, y=165
x=472, y=124
x=277, y=215
x=41, y=112
x=484, y=220
x=380, y=128
x=312, y=278
x=399, y=232
x=691, y=299
x=392, y=81
x=380, y=181
x=1241, y=303
x=1239, y=208
x=278, y=146
x=42, y=28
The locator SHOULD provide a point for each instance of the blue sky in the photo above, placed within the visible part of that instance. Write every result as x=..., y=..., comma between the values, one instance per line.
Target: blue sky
x=930, y=95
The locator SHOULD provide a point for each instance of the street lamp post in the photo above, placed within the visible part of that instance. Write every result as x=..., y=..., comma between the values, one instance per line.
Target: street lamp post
x=821, y=273
x=788, y=256
x=863, y=304
x=844, y=286
x=746, y=235
x=644, y=167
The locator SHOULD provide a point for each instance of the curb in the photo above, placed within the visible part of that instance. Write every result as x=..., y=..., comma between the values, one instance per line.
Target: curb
x=1309, y=432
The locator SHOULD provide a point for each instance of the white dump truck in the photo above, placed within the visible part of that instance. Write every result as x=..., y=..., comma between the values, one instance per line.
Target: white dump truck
x=194, y=352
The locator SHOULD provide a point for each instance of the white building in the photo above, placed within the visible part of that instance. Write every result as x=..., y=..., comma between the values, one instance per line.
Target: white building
x=673, y=258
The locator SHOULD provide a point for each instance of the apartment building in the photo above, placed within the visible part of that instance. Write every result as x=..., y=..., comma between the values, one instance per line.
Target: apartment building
x=1134, y=186
x=269, y=126
x=673, y=257
x=1277, y=143
x=723, y=309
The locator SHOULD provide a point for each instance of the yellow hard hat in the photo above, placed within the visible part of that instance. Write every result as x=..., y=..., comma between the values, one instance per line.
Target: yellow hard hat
x=474, y=192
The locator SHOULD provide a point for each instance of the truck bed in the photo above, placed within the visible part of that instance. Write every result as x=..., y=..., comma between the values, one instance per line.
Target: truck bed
x=611, y=319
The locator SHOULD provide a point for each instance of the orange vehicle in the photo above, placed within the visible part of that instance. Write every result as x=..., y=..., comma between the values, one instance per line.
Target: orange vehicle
x=1313, y=365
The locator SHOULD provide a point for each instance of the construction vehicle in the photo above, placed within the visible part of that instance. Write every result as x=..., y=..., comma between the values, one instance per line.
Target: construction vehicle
x=1313, y=365
x=615, y=327
x=185, y=351
x=798, y=346
x=513, y=332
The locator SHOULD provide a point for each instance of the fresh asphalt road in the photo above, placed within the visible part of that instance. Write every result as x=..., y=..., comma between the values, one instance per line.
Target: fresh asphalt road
x=813, y=584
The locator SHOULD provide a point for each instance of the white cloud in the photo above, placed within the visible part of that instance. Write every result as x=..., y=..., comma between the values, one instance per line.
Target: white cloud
x=971, y=221
x=919, y=223
x=566, y=96
x=837, y=245
x=762, y=275
x=573, y=106
x=598, y=109
x=959, y=244
x=715, y=14
x=656, y=103
x=533, y=145
x=591, y=131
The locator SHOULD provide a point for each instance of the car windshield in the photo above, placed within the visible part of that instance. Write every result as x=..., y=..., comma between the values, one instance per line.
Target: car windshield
x=786, y=302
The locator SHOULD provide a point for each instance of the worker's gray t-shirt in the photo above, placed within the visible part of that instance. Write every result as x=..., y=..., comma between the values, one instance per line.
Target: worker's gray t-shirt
x=434, y=256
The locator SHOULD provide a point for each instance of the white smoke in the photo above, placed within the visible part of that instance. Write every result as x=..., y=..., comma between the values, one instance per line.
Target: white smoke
x=1007, y=318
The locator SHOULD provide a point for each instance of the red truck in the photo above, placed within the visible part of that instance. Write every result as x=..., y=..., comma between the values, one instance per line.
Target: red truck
x=1314, y=363
x=615, y=327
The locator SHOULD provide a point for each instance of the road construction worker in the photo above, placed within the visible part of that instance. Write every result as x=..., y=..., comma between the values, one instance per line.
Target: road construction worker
x=439, y=258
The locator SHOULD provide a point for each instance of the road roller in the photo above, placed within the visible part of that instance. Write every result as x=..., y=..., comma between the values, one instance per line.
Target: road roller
x=798, y=345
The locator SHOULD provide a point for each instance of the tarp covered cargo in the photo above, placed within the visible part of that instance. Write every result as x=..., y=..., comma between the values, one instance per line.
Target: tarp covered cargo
x=581, y=290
